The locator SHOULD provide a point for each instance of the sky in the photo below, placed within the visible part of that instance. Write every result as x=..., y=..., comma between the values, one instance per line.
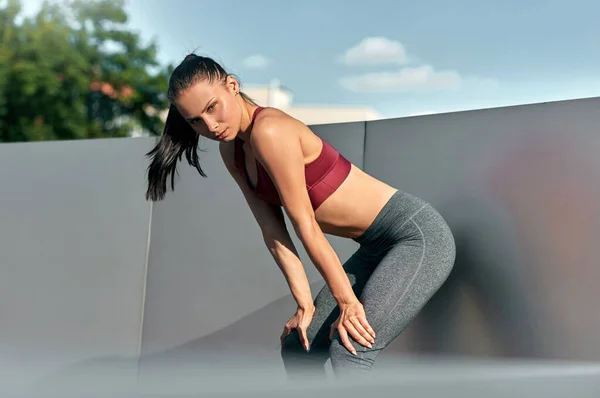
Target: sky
x=397, y=57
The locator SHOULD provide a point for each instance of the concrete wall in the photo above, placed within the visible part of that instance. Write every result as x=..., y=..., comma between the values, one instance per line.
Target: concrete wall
x=92, y=274
x=73, y=247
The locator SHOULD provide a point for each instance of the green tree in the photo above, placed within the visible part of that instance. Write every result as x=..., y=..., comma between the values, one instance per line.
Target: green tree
x=74, y=71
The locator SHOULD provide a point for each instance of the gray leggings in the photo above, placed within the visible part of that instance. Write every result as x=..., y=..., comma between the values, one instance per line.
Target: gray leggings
x=404, y=257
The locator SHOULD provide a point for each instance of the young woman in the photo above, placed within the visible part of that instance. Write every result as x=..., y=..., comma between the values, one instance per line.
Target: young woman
x=406, y=248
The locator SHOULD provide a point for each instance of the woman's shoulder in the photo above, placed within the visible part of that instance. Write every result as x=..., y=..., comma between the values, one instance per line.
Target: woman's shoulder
x=273, y=123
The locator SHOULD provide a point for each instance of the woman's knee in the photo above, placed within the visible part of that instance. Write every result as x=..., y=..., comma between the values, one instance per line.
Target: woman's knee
x=291, y=345
x=342, y=359
x=298, y=362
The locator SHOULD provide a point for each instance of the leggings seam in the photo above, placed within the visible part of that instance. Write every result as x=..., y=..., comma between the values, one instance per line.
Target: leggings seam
x=416, y=271
x=410, y=219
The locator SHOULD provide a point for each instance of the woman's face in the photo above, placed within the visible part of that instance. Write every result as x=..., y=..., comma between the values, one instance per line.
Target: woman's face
x=213, y=109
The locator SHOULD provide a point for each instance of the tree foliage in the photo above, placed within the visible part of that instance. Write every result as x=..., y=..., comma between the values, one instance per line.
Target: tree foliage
x=75, y=70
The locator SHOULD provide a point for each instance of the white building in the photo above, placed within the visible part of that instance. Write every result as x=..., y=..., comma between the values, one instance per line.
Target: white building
x=278, y=96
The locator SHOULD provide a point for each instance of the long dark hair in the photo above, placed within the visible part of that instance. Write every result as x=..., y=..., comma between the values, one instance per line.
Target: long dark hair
x=178, y=137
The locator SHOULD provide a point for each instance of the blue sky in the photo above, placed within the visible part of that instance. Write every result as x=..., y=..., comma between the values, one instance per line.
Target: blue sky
x=398, y=57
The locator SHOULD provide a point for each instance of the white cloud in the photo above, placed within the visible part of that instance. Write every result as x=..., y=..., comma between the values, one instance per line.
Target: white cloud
x=256, y=61
x=408, y=79
x=376, y=51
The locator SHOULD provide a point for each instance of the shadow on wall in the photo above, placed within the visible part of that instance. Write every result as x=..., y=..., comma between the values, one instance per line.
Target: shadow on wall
x=484, y=308
x=528, y=262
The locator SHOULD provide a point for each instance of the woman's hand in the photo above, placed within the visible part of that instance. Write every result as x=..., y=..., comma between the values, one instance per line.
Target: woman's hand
x=300, y=322
x=353, y=321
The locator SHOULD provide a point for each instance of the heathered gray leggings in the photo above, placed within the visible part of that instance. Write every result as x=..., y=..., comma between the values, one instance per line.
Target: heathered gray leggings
x=403, y=259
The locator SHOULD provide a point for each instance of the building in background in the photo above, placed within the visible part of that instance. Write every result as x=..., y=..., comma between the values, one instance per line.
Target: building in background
x=280, y=97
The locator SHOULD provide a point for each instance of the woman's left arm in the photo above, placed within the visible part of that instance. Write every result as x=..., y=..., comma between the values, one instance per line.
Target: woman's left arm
x=278, y=149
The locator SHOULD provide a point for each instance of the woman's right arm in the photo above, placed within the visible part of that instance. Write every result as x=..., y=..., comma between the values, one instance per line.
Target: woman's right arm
x=275, y=234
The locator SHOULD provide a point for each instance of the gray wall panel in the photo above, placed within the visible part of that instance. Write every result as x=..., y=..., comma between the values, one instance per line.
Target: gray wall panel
x=518, y=187
x=73, y=241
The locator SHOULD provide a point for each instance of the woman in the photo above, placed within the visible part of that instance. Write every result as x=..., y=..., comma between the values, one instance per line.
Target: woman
x=406, y=249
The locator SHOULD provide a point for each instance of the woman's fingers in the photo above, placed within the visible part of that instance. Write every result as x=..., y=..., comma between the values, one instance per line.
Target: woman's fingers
x=286, y=331
x=303, y=337
x=345, y=341
x=353, y=323
x=358, y=333
x=368, y=328
x=362, y=325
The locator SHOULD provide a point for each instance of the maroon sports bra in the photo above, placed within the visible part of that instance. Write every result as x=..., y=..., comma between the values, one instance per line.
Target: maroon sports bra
x=323, y=175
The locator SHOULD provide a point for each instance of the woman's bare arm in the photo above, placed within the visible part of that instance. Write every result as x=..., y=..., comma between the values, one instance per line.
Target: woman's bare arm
x=275, y=235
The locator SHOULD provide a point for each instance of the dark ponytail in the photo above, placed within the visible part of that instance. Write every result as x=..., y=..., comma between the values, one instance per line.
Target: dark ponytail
x=178, y=136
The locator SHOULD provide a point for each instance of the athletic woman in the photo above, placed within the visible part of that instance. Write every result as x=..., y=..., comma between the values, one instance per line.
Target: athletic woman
x=406, y=249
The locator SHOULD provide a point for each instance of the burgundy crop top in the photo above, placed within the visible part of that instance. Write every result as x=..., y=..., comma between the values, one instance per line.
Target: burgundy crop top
x=323, y=175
